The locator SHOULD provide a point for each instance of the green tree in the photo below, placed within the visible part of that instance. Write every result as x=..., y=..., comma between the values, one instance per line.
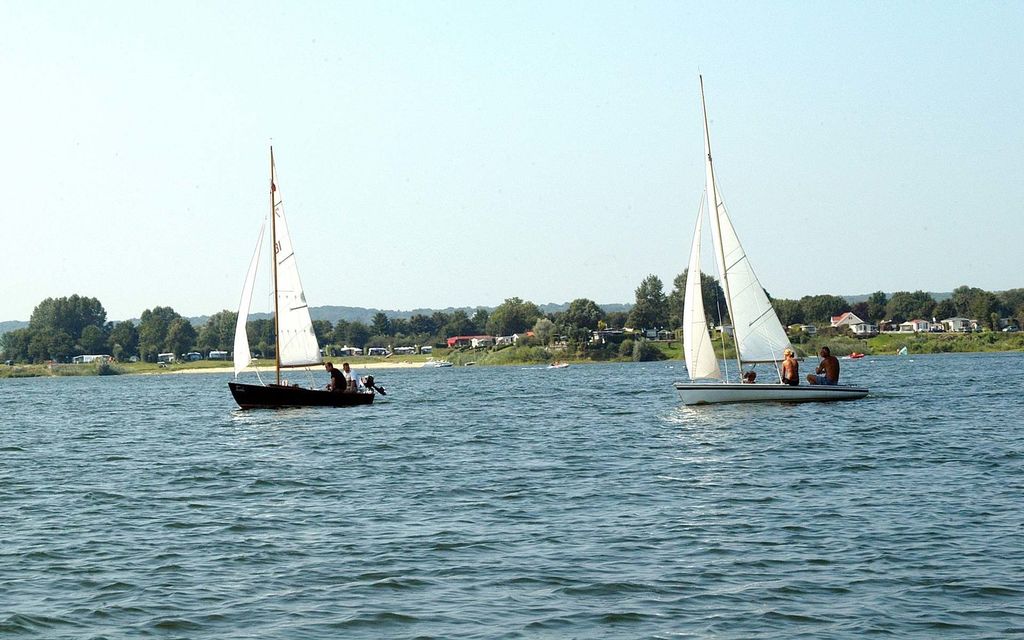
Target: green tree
x=70, y=315
x=514, y=315
x=92, y=340
x=123, y=340
x=479, y=319
x=821, y=308
x=218, y=334
x=877, y=302
x=543, y=330
x=381, y=324
x=616, y=319
x=651, y=308
x=15, y=344
x=358, y=334
x=181, y=336
x=984, y=305
x=963, y=297
x=944, y=309
x=584, y=313
x=153, y=327
x=712, y=297
x=420, y=323
x=789, y=311
x=904, y=305
x=323, y=331
x=458, y=324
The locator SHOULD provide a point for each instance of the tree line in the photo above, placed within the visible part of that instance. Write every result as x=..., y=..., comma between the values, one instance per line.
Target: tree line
x=61, y=328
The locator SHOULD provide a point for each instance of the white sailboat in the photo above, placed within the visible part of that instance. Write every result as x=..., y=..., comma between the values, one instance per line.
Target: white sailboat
x=757, y=332
x=296, y=342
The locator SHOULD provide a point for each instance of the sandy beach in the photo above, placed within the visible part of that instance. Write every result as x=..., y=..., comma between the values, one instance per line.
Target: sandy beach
x=230, y=370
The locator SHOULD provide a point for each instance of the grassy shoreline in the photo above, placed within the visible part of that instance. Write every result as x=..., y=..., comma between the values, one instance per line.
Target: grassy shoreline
x=885, y=344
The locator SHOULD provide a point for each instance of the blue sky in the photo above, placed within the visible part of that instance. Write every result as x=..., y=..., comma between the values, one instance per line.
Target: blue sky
x=450, y=154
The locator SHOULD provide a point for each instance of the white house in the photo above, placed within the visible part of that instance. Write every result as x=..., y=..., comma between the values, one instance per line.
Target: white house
x=482, y=341
x=847, y=319
x=915, y=326
x=864, y=330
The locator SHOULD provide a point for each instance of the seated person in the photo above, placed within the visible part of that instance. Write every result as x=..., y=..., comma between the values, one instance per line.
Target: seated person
x=790, y=368
x=337, y=382
x=827, y=371
x=351, y=379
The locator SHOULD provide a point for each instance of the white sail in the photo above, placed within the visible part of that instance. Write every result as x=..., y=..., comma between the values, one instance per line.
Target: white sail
x=296, y=342
x=701, y=361
x=242, y=356
x=756, y=327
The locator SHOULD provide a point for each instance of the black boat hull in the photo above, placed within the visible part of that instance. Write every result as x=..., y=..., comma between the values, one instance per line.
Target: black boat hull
x=256, y=396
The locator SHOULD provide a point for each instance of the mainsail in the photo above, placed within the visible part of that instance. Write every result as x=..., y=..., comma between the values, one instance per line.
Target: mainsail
x=242, y=356
x=296, y=342
x=701, y=361
x=756, y=327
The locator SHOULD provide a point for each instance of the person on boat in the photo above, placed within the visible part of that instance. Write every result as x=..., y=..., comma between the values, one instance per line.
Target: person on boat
x=337, y=382
x=790, y=368
x=351, y=379
x=749, y=377
x=827, y=371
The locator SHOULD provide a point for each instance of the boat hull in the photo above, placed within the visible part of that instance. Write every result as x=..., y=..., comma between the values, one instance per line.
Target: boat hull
x=716, y=393
x=271, y=396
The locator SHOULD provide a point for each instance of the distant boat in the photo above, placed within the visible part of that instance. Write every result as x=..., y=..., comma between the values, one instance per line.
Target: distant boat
x=293, y=330
x=558, y=365
x=437, y=363
x=854, y=356
x=902, y=351
x=757, y=331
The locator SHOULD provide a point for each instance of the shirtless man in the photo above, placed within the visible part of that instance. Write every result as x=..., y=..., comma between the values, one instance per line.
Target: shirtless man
x=790, y=368
x=827, y=371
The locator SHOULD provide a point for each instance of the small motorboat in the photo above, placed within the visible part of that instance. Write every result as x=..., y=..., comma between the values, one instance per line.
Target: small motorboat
x=856, y=356
x=558, y=365
x=437, y=363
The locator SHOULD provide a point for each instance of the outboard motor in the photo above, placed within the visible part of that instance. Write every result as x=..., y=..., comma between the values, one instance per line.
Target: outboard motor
x=368, y=382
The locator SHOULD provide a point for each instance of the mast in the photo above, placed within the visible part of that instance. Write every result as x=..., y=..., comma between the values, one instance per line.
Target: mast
x=273, y=257
x=713, y=202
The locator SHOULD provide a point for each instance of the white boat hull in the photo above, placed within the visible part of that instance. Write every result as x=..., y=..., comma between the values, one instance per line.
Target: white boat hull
x=718, y=393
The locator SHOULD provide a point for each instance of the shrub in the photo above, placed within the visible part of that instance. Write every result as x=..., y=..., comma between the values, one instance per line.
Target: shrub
x=644, y=351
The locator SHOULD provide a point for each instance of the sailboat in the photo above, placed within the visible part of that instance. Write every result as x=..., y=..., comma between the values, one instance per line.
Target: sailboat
x=293, y=329
x=757, y=331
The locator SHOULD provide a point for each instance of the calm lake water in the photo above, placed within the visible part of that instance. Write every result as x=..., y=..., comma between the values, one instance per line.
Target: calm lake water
x=517, y=503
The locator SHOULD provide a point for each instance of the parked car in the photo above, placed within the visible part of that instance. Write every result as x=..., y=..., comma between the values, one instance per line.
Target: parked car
x=1010, y=329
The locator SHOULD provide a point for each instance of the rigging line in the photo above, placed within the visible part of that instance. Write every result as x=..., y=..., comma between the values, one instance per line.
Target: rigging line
x=763, y=314
x=287, y=257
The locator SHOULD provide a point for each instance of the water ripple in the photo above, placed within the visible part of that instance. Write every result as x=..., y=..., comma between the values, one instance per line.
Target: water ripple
x=508, y=502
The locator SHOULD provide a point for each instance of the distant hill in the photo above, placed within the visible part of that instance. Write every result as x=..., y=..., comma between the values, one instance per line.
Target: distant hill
x=11, y=325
